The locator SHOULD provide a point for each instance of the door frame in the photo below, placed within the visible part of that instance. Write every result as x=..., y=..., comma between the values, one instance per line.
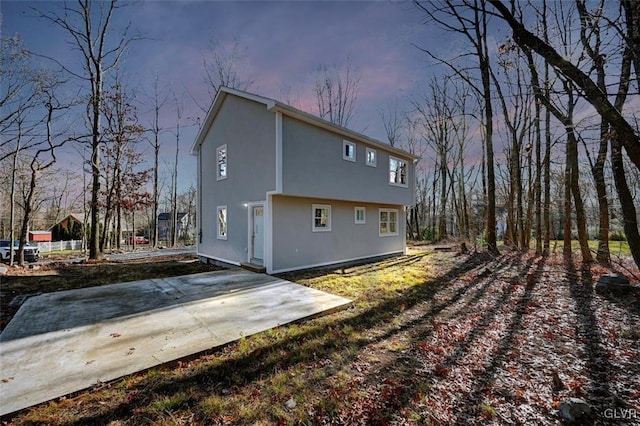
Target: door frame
x=250, y=247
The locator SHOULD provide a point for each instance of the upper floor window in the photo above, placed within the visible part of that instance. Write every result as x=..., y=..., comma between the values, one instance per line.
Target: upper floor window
x=397, y=171
x=321, y=217
x=371, y=157
x=221, y=162
x=222, y=222
x=348, y=151
x=388, y=222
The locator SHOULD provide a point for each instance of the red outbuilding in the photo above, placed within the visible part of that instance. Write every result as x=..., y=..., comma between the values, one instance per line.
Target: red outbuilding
x=40, y=236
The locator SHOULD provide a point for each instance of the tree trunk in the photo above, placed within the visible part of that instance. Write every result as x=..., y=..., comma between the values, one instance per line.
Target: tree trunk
x=483, y=52
x=629, y=217
x=567, y=203
x=442, y=219
x=96, y=104
x=590, y=29
x=603, y=256
x=12, y=214
x=538, y=180
x=26, y=215
x=581, y=222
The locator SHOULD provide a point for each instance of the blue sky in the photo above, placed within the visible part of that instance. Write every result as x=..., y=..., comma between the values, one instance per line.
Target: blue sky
x=283, y=44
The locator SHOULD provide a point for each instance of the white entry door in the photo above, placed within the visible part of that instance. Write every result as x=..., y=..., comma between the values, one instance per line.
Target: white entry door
x=258, y=234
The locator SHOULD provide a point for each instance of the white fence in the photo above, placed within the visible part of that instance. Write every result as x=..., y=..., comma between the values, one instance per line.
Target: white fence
x=49, y=246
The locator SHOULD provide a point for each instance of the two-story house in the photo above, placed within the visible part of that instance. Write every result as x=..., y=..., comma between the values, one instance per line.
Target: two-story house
x=282, y=188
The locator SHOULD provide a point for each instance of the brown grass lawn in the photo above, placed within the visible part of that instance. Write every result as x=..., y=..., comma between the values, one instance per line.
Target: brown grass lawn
x=432, y=338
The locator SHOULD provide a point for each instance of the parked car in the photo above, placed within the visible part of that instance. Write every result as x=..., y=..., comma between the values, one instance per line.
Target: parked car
x=139, y=239
x=31, y=252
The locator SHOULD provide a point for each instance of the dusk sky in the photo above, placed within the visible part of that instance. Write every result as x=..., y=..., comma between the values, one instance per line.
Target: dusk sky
x=283, y=44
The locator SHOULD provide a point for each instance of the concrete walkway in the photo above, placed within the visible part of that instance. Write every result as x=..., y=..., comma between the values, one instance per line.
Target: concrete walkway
x=63, y=342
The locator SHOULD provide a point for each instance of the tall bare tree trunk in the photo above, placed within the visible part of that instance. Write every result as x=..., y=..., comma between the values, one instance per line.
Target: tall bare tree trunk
x=483, y=57
x=442, y=220
x=581, y=222
x=603, y=255
x=629, y=214
x=590, y=30
x=567, y=202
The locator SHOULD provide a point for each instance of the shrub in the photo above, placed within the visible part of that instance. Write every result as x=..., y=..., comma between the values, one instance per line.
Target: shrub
x=617, y=236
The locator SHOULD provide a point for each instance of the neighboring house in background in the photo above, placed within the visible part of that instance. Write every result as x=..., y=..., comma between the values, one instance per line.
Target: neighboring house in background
x=69, y=228
x=282, y=188
x=165, y=226
x=40, y=236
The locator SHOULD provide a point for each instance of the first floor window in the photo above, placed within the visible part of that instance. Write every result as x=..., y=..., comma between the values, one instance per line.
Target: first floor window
x=360, y=215
x=222, y=222
x=321, y=217
x=397, y=171
x=388, y=222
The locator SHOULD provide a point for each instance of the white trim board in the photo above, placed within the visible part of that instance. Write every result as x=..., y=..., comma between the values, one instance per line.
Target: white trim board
x=336, y=262
x=219, y=259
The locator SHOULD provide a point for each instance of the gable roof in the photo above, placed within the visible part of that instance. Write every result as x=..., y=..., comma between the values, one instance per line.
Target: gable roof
x=277, y=106
x=77, y=217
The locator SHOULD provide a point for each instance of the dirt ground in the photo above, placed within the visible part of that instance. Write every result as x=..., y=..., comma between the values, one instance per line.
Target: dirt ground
x=20, y=283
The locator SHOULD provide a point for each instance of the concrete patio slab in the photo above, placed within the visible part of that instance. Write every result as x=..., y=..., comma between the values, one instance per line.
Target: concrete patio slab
x=63, y=342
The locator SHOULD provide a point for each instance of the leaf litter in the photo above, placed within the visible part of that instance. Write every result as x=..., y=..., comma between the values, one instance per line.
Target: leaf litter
x=504, y=341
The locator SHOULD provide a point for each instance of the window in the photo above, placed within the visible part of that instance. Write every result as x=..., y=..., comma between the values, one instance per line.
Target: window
x=388, y=222
x=222, y=222
x=371, y=157
x=397, y=172
x=360, y=214
x=221, y=162
x=348, y=151
x=321, y=217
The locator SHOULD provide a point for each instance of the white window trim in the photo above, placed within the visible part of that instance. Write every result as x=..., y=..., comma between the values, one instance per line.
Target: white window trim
x=364, y=215
x=375, y=157
x=344, y=155
x=313, y=217
x=226, y=159
x=226, y=225
x=388, y=234
x=399, y=160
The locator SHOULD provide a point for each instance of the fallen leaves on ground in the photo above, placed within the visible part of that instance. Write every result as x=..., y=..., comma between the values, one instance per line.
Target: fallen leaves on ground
x=490, y=341
x=490, y=345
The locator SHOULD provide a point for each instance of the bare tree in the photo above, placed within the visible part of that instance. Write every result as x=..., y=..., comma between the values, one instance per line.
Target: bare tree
x=121, y=132
x=43, y=153
x=336, y=90
x=174, y=182
x=223, y=67
x=89, y=30
x=623, y=134
x=392, y=122
x=523, y=37
x=437, y=112
x=590, y=36
x=155, y=142
x=469, y=21
x=19, y=101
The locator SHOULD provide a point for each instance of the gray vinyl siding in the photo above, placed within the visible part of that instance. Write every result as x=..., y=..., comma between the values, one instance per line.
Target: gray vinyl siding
x=295, y=246
x=313, y=167
x=248, y=130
